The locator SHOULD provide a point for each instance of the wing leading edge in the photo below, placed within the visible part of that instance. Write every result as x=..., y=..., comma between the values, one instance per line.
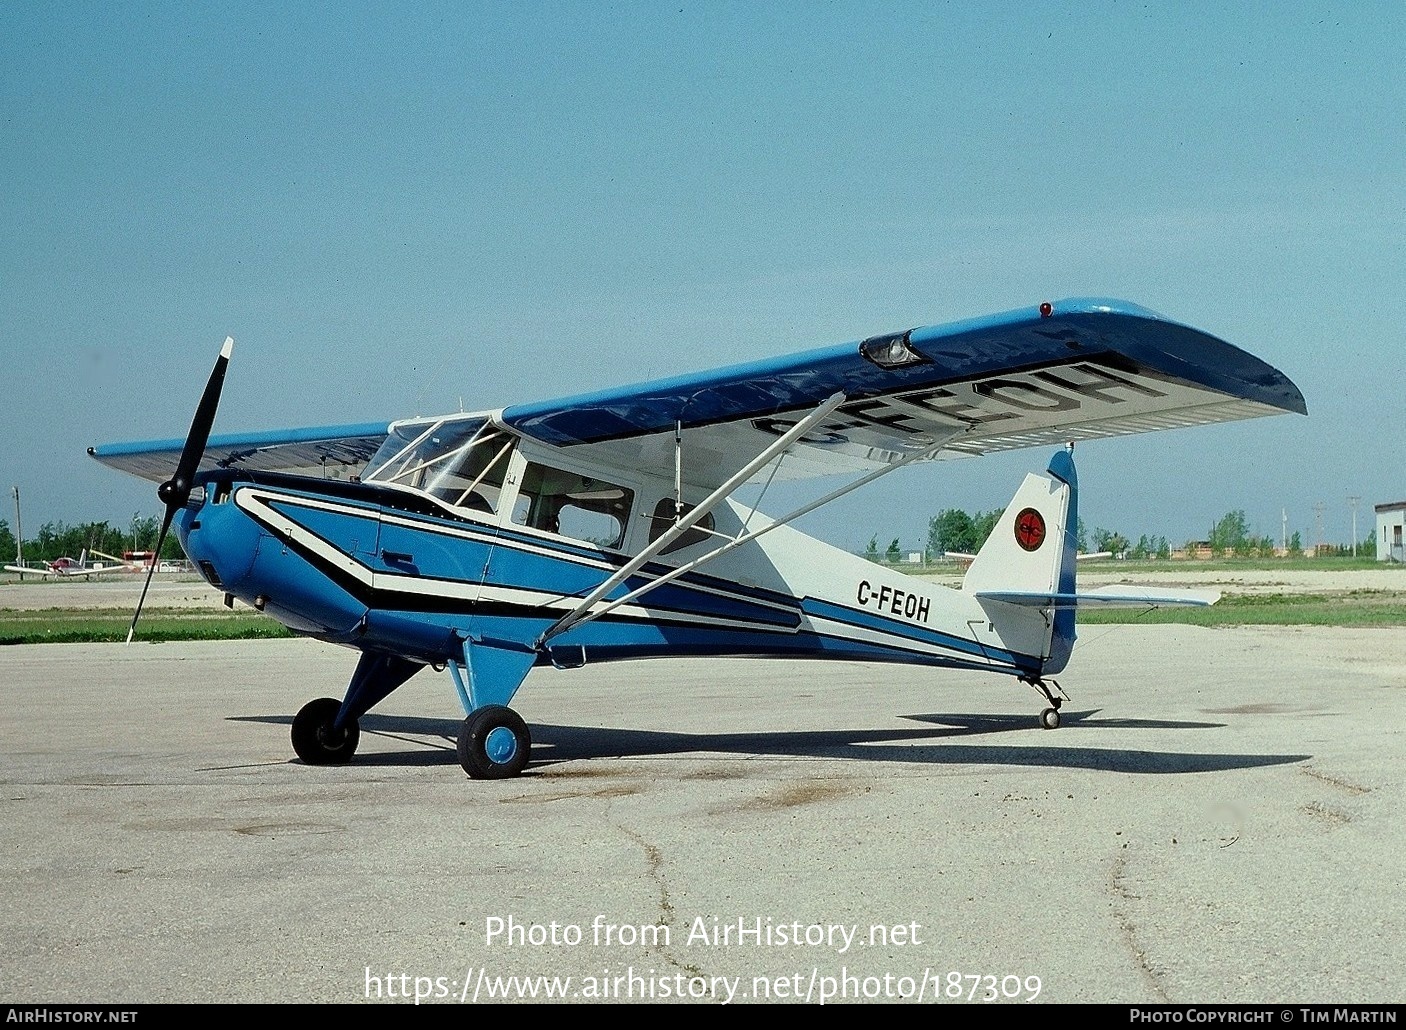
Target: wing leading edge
x=325, y=451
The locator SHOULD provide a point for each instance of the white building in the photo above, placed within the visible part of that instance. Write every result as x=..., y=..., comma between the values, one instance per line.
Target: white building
x=1391, y=526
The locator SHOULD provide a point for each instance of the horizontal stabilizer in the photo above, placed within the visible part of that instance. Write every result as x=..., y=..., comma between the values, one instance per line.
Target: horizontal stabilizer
x=1105, y=597
x=1082, y=556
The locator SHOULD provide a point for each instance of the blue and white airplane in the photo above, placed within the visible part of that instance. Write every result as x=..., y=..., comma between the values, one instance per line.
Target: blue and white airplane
x=605, y=526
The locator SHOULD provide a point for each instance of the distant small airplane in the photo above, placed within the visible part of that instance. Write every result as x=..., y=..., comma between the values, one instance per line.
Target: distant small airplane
x=605, y=527
x=76, y=568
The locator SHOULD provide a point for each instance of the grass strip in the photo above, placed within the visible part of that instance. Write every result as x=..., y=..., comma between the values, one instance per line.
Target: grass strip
x=109, y=625
x=1351, y=608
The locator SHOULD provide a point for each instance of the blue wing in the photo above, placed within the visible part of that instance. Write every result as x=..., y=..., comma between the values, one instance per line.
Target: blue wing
x=330, y=450
x=1074, y=370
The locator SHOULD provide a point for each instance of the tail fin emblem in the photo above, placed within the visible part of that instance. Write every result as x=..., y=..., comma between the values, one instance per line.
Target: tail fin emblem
x=1030, y=529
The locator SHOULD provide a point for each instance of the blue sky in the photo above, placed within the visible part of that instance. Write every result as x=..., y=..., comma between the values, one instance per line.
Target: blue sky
x=397, y=211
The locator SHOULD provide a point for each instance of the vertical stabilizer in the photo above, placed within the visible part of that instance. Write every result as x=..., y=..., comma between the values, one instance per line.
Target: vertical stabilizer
x=1033, y=550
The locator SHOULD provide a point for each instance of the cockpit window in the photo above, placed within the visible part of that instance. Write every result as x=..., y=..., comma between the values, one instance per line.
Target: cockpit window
x=573, y=505
x=460, y=461
x=413, y=448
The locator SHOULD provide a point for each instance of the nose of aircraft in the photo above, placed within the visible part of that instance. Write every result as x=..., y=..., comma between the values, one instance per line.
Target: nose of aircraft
x=222, y=542
x=266, y=570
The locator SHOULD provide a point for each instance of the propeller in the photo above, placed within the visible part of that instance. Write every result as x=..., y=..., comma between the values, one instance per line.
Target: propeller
x=175, y=492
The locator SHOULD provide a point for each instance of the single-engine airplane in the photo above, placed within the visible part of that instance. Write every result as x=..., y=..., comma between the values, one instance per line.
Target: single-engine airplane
x=75, y=568
x=605, y=527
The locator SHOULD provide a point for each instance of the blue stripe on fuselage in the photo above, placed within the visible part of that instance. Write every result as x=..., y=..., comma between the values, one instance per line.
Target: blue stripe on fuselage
x=917, y=634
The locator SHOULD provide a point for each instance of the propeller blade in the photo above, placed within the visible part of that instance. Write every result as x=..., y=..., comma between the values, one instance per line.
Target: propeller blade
x=151, y=570
x=175, y=492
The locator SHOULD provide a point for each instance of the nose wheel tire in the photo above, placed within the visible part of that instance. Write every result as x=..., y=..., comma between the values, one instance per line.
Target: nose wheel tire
x=315, y=739
x=1049, y=719
x=494, y=743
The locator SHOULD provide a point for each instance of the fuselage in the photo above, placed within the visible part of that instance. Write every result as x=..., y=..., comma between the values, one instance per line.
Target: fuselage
x=397, y=570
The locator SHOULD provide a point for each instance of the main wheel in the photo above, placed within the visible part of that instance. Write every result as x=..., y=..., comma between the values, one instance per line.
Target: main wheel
x=1049, y=719
x=494, y=743
x=314, y=738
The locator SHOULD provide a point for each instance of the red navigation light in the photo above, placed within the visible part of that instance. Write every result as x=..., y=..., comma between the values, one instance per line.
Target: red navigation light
x=1046, y=309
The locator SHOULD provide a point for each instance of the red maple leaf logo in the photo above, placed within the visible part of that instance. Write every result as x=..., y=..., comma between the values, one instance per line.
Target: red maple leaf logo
x=1030, y=529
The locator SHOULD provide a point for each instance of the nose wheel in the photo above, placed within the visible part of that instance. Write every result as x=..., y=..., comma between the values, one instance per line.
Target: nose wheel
x=317, y=740
x=1049, y=719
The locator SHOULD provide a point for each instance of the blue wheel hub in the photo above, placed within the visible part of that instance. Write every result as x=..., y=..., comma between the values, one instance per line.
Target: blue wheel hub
x=500, y=745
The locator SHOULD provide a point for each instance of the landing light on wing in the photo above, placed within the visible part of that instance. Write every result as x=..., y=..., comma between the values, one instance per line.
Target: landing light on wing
x=890, y=350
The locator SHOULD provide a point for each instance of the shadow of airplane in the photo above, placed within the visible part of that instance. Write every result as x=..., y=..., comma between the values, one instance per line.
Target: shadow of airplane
x=939, y=745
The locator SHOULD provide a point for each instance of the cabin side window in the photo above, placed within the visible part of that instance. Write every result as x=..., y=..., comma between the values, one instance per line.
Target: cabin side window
x=573, y=505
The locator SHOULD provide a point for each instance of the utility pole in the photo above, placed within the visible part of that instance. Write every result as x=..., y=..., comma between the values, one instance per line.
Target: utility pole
x=19, y=534
x=1284, y=530
x=1353, y=501
x=1318, y=527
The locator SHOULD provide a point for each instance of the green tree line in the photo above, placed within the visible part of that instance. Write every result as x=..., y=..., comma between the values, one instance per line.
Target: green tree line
x=955, y=530
x=60, y=540
x=1231, y=537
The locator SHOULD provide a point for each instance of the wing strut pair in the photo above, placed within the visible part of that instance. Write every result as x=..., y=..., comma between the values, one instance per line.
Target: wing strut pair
x=583, y=612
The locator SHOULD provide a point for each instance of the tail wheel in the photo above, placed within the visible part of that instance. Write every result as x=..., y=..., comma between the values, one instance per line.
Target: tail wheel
x=494, y=744
x=315, y=738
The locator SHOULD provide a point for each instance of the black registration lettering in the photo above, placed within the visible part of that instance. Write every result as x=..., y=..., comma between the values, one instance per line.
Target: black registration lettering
x=1099, y=384
x=1025, y=395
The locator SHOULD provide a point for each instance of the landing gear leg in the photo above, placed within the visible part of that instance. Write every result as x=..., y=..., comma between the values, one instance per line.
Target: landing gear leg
x=1049, y=718
x=494, y=743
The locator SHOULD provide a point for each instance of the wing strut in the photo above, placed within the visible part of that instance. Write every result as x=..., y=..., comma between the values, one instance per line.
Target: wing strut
x=745, y=537
x=683, y=525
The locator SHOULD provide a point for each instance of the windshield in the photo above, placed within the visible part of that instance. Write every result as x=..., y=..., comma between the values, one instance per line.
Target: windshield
x=459, y=460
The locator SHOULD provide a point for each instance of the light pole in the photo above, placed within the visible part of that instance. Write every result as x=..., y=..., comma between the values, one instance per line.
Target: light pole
x=1353, y=501
x=19, y=534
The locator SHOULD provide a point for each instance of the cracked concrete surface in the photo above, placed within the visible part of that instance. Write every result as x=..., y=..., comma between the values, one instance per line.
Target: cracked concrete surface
x=1218, y=820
